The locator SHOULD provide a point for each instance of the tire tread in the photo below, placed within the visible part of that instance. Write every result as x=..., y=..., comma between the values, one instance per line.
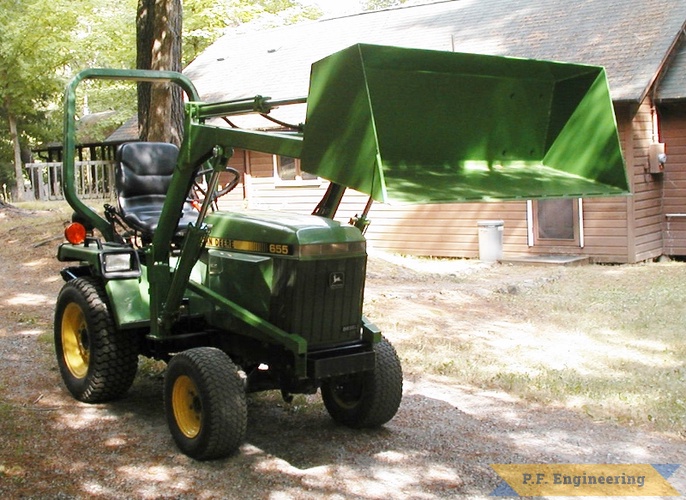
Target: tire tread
x=114, y=354
x=224, y=402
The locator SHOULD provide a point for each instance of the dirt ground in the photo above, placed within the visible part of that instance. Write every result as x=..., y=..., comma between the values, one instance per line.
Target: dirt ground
x=440, y=444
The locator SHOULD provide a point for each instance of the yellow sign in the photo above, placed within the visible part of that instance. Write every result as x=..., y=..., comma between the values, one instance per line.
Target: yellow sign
x=585, y=480
x=249, y=246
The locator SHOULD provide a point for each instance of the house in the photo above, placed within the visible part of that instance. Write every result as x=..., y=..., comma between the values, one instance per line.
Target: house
x=670, y=103
x=639, y=42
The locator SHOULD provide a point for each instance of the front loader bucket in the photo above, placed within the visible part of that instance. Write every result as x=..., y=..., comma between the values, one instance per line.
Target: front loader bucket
x=420, y=126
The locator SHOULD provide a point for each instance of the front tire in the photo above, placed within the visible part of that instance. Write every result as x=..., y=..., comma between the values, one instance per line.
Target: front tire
x=97, y=362
x=205, y=403
x=367, y=399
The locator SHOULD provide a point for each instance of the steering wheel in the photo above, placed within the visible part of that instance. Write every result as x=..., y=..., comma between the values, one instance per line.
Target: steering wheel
x=199, y=194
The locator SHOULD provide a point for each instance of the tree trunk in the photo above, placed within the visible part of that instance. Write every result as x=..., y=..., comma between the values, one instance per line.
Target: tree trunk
x=144, y=40
x=18, y=171
x=160, y=106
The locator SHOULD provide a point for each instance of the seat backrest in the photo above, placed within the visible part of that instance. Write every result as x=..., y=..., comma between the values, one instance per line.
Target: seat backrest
x=142, y=177
x=145, y=168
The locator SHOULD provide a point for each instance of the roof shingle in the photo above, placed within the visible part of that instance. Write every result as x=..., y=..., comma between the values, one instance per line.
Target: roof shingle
x=630, y=38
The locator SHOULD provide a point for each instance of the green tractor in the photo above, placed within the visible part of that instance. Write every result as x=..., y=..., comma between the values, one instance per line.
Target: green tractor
x=237, y=302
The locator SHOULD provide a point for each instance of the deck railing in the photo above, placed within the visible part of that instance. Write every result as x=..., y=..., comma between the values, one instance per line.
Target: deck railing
x=94, y=179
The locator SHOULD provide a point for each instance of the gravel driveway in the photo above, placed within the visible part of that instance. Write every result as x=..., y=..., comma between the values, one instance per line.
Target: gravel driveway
x=440, y=444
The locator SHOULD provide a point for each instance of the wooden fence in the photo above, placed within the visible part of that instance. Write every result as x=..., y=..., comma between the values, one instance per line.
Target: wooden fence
x=93, y=179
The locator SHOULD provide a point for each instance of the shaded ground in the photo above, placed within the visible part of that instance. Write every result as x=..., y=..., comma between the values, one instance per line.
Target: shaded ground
x=440, y=444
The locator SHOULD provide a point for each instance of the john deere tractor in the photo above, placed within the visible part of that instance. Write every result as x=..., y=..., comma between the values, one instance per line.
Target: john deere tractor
x=245, y=301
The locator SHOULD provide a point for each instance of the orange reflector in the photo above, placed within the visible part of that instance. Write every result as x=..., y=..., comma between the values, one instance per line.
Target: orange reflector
x=75, y=233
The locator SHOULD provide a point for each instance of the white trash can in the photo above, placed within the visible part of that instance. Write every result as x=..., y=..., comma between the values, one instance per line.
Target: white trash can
x=490, y=240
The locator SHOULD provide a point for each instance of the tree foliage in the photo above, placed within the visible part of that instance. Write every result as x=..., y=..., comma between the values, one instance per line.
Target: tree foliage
x=43, y=43
x=34, y=49
x=106, y=38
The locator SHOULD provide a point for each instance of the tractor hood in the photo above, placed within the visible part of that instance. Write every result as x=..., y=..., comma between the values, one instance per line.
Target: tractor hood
x=283, y=234
x=421, y=126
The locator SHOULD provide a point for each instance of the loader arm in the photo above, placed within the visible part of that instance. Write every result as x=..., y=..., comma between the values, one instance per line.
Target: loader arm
x=201, y=143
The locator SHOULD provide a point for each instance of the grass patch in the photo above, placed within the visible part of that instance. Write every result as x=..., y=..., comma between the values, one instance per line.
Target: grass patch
x=50, y=206
x=47, y=337
x=607, y=340
x=151, y=368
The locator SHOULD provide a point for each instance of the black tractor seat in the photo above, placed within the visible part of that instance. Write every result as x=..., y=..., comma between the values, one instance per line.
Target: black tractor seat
x=142, y=176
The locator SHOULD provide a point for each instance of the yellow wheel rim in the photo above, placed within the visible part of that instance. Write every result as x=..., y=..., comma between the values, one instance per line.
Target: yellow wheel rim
x=75, y=340
x=348, y=393
x=187, y=406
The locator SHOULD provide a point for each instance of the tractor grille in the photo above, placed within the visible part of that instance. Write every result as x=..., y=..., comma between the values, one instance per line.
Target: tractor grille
x=320, y=300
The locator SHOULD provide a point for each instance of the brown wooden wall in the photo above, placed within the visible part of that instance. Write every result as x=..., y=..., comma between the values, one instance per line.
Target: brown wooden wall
x=673, y=134
x=618, y=229
x=645, y=206
x=447, y=230
x=234, y=200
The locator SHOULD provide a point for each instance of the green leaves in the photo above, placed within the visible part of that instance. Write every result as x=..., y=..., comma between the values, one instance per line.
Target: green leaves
x=35, y=40
x=44, y=42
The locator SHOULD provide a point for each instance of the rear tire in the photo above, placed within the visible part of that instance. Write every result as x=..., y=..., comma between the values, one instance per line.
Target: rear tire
x=97, y=362
x=205, y=403
x=367, y=399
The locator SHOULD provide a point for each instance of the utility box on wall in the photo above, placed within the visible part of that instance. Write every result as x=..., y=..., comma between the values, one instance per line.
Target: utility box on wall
x=656, y=158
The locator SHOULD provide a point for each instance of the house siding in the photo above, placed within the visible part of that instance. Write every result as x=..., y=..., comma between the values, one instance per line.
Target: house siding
x=605, y=230
x=673, y=134
x=235, y=199
x=266, y=192
x=647, y=190
x=446, y=230
x=618, y=229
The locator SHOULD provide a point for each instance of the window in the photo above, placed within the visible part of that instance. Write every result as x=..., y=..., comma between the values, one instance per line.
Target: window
x=288, y=169
x=556, y=219
x=555, y=225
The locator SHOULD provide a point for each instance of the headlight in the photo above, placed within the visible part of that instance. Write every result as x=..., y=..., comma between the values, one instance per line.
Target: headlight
x=115, y=262
x=120, y=264
x=331, y=249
